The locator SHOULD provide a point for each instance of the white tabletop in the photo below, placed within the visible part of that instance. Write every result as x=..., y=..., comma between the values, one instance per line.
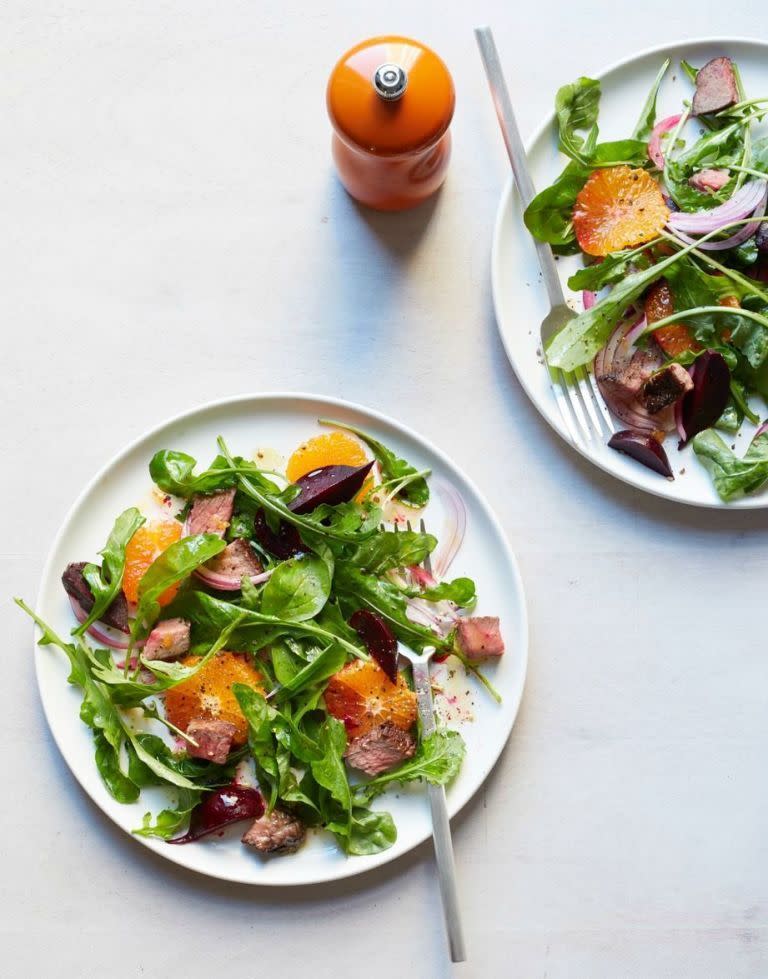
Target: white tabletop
x=172, y=233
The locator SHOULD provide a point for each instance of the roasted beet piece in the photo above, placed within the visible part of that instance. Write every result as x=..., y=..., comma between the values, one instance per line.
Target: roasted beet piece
x=644, y=448
x=706, y=401
x=379, y=639
x=226, y=805
x=329, y=484
x=283, y=544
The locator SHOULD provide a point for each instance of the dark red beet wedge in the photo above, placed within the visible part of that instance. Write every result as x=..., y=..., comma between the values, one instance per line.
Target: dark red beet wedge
x=644, y=448
x=329, y=484
x=379, y=640
x=283, y=544
x=226, y=805
x=703, y=405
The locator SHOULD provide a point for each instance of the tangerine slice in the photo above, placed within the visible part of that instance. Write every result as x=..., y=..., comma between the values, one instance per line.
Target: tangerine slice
x=618, y=208
x=148, y=543
x=329, y=449
x=362, y=696
x=208, y=694
x=676, y=338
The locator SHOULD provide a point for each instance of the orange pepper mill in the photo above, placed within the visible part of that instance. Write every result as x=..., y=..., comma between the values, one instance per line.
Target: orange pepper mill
x=391, y=101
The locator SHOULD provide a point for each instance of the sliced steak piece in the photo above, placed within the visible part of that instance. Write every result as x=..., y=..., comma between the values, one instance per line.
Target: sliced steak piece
x=237, y=559
x=715, y=87
x=665, y=386
x=212, y=513
x=167, y=640
x=480, y=636
x=276, y=832
x=214, y=739
x=76, y=587
x=709, y=181
x=627, y=385
x=383, y=747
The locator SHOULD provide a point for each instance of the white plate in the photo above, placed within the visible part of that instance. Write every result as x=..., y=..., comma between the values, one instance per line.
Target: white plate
x=520, y=300
x=283, y=421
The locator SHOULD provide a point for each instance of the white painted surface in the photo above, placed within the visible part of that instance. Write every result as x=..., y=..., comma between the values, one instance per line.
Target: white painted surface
x=172, y=232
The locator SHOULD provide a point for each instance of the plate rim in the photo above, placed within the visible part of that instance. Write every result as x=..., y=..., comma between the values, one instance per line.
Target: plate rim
x=746, y=503
x=349, y=868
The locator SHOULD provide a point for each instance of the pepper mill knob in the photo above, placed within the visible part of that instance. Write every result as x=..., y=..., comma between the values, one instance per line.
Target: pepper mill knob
x=390, y=81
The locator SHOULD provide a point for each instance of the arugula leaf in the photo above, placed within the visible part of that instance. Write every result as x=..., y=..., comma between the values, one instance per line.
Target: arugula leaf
x=437, y=760
x=329, y=771
x=174, y=473
x=408, y=483
x=328, y=661
x=460, y=591
x=297, y=589
x=119, y=785
x=613, y=268
x=388, y=550
x=647, y=119
x=170, y=821
x=576, y=107
x=175, y=563
x=690, y=71
x=105, y=581
x=732, y=476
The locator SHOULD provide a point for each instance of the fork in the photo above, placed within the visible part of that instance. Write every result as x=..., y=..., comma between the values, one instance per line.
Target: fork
x=441, y=827
x=578, y=398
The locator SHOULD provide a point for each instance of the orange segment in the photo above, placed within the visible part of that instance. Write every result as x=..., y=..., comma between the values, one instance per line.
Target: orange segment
x=208, y=694
x=148, y=543
x=330, y=449
x=676, y=338
x=362, y=696
x=618, y=208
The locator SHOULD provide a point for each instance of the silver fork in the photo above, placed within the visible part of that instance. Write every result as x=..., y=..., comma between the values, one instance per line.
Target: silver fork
x=441, y=827
x=581, y=407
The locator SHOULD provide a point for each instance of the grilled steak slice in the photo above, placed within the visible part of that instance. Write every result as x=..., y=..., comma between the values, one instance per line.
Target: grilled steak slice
x=76, y=587
x=709, y=181
x=380, y=749
x=480, y=636
x=665, y=386
x=214, y=739
x=715, y=87
x=167, y=640
x=276, y=832
x=237, y=559
x=211, y=514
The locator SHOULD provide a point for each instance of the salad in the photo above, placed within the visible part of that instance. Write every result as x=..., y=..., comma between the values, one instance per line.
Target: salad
x=242, y=649
x=672, y=228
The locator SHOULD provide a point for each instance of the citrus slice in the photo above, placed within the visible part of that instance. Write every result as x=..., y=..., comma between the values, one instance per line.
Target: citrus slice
x=362, y=696
x=329, y=449
x=148, y=543
x=618, y=208
x=675, y=338
x=208, y=694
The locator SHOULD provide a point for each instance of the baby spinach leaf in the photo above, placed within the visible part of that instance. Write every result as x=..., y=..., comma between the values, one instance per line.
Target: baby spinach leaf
x=437, y=760
x=388, y=550
x=297, y=589
x=170, y=821
x=732, y=476
x=120, y=786
x=549, y=216
x=460, y=591
x=647, y=119
x=369, y=832
x=401, y=479
x=576, y=107
x=105, y=581
x=327, y=662
x=612, y=269
x=174, y=473
x=329, y=770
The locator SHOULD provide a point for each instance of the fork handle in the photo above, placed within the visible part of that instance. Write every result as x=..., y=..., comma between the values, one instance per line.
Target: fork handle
x=517, y=157
x=441, y=827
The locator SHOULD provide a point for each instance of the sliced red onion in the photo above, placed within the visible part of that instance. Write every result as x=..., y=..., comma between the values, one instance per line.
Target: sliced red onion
x=104, y=634
x=589, y=298
x=454, y=528
x=744, y=202
x=441, y=617
x=223, y=582
x=743, y=234
x=655, y=154
x=763, y=428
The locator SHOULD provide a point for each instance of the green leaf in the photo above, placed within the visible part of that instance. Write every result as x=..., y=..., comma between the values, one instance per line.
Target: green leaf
x=369, y=832
x=174, y=473
x=461, y=591
x=733, y=477
x=297, y=589
x=576, y=107
x=120, y=786
x=549, y=216
x=329, y=661
x=408, y=483
x=690, y=71
x=438, y=760
x=647, y=119
x=329, y=771
x=388, y=550
x=105, y=581
x=170, y=822
x=612, y=269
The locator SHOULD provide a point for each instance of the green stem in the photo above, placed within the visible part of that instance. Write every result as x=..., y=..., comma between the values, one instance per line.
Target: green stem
x=704, y=310
x=753, y=173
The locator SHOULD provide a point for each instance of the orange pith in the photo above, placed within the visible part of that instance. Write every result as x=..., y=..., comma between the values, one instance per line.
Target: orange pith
x=329, y=449
x=208, y=694
x=676, y=338
x=362, y=696
x=618, y=208
x=148, y=543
